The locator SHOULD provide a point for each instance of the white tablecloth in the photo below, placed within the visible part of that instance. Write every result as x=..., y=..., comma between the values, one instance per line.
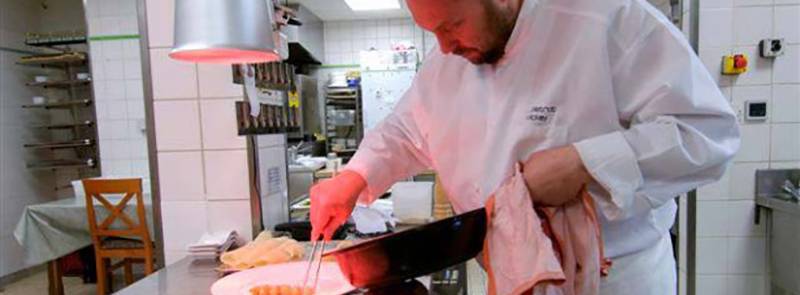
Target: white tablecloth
x=51, y=230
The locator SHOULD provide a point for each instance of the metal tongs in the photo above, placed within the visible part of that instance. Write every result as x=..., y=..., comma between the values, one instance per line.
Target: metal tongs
x=317, y=245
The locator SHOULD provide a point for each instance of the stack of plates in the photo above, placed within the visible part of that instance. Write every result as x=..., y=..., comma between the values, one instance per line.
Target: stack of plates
x=211, y=246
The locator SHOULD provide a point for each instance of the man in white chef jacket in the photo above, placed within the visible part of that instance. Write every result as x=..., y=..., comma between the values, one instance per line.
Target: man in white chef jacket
x=603, y=93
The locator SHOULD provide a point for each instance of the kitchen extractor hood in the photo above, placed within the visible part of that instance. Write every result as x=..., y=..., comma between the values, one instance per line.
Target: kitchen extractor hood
x=305, y=39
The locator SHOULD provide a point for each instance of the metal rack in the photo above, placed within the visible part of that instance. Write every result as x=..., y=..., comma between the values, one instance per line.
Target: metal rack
x=61, y=84
x=343, y=120
x=52, y=39
x=54, y=60
x=60, y=104
x=79, y=150
x=59, y=164
x=86, y=124
x=61, y=144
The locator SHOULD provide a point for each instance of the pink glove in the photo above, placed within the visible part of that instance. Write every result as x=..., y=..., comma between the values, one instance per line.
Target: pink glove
x=332, y=201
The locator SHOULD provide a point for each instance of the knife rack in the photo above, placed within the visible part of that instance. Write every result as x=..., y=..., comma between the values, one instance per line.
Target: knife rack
x=272, y=119
x=273, y=75
x=280, y=117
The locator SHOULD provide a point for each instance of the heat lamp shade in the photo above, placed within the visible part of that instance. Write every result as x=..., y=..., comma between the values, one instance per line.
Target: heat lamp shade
x=224, y=31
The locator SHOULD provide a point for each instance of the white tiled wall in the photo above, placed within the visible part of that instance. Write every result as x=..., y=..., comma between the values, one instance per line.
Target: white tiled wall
x=345, y=39
x=202, y=162
x=118, y=88
x=731, y=249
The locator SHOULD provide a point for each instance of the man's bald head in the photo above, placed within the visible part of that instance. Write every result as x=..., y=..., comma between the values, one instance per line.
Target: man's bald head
x=477, y=30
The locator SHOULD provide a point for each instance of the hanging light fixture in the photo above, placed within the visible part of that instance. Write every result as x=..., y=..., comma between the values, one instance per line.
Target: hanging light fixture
x=224, y=31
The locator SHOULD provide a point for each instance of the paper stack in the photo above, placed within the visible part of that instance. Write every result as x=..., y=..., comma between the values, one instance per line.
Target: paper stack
x=211, y=246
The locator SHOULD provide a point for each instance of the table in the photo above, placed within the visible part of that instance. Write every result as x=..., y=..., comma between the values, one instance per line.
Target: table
x=52, y=230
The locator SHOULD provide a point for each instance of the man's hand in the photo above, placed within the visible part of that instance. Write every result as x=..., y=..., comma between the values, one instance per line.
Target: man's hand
x=556, y=176
x=332, y=202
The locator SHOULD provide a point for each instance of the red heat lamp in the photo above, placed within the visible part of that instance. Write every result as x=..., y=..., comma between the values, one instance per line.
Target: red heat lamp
x=224, y=32
x=224, y=56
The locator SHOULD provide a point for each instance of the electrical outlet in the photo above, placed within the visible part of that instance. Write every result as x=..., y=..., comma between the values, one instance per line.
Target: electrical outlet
x=755, y=110
x=771, y=48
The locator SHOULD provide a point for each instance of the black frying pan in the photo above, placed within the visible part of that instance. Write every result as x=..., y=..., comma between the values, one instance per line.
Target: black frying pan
x=415, y=252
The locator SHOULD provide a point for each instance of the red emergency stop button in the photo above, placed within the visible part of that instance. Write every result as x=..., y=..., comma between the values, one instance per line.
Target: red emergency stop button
x=740, y=61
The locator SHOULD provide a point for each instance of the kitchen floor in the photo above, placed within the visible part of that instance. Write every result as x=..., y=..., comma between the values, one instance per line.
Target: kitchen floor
x=36, y=283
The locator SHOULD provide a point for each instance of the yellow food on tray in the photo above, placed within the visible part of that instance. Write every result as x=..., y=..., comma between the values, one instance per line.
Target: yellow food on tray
x=280, y=290
x=262, y=251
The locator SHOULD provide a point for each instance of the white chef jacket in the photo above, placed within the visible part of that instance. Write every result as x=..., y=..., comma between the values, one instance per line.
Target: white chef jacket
x=614, y=78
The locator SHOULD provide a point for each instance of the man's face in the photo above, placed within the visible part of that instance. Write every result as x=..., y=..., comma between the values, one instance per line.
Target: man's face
x=477, y=30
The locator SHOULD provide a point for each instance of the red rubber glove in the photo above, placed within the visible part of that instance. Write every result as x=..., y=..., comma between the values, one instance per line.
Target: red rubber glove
x=332, y=202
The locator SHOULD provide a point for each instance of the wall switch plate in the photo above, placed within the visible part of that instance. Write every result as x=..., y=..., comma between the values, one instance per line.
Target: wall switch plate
x=755, y=110
x=771, y=48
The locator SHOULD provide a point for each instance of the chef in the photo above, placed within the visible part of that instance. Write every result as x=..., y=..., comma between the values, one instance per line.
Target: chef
x=607, y=94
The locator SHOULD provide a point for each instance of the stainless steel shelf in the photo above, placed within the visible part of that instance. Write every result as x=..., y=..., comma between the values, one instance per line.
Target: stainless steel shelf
x=86, y=124
x=54, y=59
x=342, y=97
x=49, y=42
x=61, y=145
x=342, y=90
x=341, y=103
x=60, y=84
x=62, y=164
x=60, y=104
x=345, y=150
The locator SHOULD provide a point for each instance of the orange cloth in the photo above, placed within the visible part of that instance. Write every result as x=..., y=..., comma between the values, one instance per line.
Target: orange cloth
x=542, y=250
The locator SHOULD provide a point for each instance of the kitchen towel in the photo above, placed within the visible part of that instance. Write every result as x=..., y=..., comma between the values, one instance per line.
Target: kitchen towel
x=545, y=250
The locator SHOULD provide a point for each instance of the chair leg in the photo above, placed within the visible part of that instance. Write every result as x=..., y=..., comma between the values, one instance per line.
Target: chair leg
x=100, y=268
x=56, y=286
x=128, y=271
x=148, y=265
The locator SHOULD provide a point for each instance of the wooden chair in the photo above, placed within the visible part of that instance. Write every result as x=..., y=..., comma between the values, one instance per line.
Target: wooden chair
x=127, y=240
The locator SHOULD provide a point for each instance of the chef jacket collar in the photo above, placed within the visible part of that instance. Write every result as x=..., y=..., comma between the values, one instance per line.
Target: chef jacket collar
x=514, y=42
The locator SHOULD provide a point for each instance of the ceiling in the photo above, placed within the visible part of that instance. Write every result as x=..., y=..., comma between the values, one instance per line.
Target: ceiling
x=329, y=10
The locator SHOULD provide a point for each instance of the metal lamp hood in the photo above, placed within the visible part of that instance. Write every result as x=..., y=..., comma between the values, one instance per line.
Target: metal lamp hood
x=224, y=31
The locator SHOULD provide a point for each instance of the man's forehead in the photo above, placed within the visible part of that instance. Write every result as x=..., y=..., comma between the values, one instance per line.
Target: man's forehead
x=429, y=14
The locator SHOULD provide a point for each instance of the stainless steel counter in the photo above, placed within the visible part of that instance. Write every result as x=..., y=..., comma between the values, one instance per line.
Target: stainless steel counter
x=782, y=216
x=770, y=191
x=779, y=204
x=185, y=277
x=195, y=277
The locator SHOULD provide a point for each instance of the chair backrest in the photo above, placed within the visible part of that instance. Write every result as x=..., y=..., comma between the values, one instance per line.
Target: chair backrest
x=127, y=226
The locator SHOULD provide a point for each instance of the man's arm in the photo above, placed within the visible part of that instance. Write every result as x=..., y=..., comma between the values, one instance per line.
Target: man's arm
x=682, y=132
x=395, y=149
